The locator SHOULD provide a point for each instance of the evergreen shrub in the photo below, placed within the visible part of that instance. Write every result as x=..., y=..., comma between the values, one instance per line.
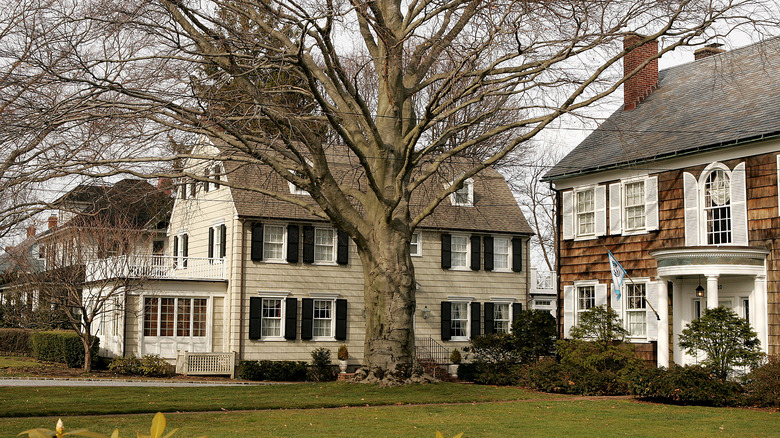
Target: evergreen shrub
x=762, y=385
x=280, y=371
x=15, y=341
x=688, y=385
x=62, y=346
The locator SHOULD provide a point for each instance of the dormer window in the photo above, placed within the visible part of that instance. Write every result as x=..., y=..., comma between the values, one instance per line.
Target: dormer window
x=464, y=196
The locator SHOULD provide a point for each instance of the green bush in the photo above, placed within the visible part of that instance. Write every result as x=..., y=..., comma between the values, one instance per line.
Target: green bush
x=762, y=385
x=280, y=371
x=127, y=366
x=690, y=385
x=62, y=346
x=150, y=365
x=321, y=369
x=15, y=341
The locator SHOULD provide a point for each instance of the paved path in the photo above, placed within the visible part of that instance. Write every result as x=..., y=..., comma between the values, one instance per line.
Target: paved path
x=121, y=382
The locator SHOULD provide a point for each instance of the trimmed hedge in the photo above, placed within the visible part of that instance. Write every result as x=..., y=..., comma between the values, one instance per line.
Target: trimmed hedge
x=16, y=341
x=150, y=365
x=688, y=385
x=62, y=346
x=280, y=371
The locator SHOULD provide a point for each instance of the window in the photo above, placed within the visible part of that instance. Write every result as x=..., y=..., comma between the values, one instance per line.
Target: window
x=415, y=245
x=746, y=308
x=501, y=251
x=166, y=316
x=543, y=302
x=273, y=242
x=502, y=317
x=324, y=245
x=271, y=318
x=586, y=298
x=636, y=310
x=206, y=183
x=460, y=321
x=717, y=207
x=586, y=212
x=193, y=188
x=217, y=242
x=322, y=322
x=460, y=252
x=181, y=244
x=217, y=176
x=635, y=205
x=463, y=196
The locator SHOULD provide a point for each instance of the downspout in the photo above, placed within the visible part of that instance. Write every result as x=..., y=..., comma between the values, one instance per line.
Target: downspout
x=124, y=324
x=528, y=286
x=558, y=286
x=242, y=289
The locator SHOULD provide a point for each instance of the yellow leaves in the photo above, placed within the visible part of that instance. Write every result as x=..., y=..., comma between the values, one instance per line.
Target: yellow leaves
x=440, y=435
x=156, y=431
x=158, y=428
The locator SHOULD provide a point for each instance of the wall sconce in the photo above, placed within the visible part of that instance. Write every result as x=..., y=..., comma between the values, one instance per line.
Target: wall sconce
x=699, y=289
x=426, y=313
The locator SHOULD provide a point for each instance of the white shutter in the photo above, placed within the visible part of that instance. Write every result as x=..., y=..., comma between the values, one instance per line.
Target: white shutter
x=652, y=320
x=600, y=216
x=739, y=225
x=615, y=209
x=651, y=203
x=691, y=198
x=601, y=294
x=568, y=309
x=568, y=215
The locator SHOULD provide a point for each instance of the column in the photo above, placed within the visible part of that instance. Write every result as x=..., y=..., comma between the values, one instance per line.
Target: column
x=663, y=323
x=712, y=291
x=759, y=304
x=677, y=311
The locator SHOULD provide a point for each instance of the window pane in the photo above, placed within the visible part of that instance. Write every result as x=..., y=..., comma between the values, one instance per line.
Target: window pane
x=323, y=245
x=167, y=311
x=501, y=317
x=322, y=318
x=585, y=211
x=501, y=253
x=717, y=207
x=635, y=205
x=199, y=317
x=150, y=316
x=459, y=320
x=414, y=248
x=272, y=317
x=273, y=244
x=587, y=297
x=459, y=251
x=183, y=314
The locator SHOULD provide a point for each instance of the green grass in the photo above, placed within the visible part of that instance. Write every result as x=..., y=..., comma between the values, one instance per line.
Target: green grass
x=41, y=401
x=550, y=418
x=13, y=362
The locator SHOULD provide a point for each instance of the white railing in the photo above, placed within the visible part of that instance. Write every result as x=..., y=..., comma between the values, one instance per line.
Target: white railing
x=155, y=267
x=542, y=281
x=206, y=364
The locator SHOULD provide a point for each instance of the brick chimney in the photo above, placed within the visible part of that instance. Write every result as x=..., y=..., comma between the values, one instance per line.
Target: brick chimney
x=165, y=184
x=639, y=86
x=31, y=231
x=707, y=51
x=52, y=222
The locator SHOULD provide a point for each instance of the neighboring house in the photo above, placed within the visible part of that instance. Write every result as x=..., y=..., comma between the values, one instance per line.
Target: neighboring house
x=681, y=184
x=544, y=293
x=250, y=274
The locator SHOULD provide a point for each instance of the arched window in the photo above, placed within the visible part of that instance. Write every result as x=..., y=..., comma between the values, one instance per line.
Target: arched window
x=717, y=207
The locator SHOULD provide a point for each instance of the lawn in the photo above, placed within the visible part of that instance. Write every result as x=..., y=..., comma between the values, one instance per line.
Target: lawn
x=18, y=362
x=308, y=410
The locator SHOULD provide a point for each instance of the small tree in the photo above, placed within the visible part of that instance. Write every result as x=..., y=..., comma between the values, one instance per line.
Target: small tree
x=726, y=339
x=599, y=324
x=534, y=335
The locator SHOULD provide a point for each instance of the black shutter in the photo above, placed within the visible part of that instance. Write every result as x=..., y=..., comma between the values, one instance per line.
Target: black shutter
x=446, y=252
x=292, y=243
x=308, y=244
x=175, y=251
x=517, y=254
x=211, y=243
x=255, y=317
x=490, y=327
x=488, y=253
x=516, y=309
x=185, y=248
x=446, y=320
x=476, y=314
x=342, y=250
x=307, y=314
x=341, y=320
x=206, y=182
x=290, y=318
x=223, y=241
x=257, y=241
x=476, y=253
x=217, y=175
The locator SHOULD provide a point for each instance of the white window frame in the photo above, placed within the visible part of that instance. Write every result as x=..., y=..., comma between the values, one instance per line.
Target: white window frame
x=625, y=207
x=415, y=244
x=218, y=170
x=180, y=261
x=283, y=256
x=467, y=190
x=176, y=300
x=577, y=307
x=216, y=244
x=334, y=246
x=508, y=255
x=508, y=302
x=460, y=301
x=627, y=310
x=467, y=264
x=577, y=213
x=702, y=183
x=332, y=319
x=282, y=312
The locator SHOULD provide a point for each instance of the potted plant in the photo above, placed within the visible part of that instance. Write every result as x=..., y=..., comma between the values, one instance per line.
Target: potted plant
x=343, y=355
x=455, y=359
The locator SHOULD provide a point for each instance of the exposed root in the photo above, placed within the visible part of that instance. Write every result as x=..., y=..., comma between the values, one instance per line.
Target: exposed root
x=394, y=377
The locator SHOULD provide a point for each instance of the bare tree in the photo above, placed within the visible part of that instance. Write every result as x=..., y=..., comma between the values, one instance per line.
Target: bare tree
x=430, y=65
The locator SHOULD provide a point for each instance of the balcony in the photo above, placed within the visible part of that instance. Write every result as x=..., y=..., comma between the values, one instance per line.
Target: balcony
x=156, y=267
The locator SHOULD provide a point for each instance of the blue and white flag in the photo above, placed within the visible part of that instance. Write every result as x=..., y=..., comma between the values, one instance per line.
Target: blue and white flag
x=618, y=273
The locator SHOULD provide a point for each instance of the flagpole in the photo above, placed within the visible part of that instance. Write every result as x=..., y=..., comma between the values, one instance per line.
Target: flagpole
x=644, y=295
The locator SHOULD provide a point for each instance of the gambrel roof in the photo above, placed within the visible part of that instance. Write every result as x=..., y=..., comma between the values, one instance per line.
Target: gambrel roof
x=719, y=101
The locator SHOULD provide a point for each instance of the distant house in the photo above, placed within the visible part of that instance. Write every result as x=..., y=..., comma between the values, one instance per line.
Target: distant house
x=250, y=274
x=681, y=184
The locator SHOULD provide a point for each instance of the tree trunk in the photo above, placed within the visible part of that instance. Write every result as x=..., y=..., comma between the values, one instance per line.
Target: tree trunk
x=86, y=340
x=389, y=292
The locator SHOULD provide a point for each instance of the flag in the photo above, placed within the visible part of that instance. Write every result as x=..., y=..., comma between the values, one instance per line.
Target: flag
x=618, y=273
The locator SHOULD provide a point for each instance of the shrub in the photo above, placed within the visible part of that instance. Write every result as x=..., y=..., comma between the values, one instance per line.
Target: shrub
x=727, y=340
x=125, y=365
x=691, y=384
x=762, y=385
x=62, y=346
x=534, y=334
x=343, y=353
x=455, y=356
x=321, y=369
x=281, y=371
x=150, y=365
x=599, y=324
x=15, y=341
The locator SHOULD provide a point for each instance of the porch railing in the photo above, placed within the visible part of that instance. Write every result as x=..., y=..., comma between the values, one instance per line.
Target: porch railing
x=428, y=350
x=154, y=267
x=206, y=364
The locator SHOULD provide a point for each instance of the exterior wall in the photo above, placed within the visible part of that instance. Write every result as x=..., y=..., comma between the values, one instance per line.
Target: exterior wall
x=587, y=259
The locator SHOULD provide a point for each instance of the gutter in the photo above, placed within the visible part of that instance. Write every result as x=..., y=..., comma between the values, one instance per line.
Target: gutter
x=242, y=290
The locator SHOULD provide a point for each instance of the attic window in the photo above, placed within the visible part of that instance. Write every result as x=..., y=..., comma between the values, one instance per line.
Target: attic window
x=464, y=196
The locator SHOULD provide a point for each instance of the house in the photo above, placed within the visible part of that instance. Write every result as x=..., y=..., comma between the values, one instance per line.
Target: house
x=265, y=279
x=681, y=185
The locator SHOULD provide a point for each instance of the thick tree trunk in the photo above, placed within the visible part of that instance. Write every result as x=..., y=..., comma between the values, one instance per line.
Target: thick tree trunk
x=389, y=291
